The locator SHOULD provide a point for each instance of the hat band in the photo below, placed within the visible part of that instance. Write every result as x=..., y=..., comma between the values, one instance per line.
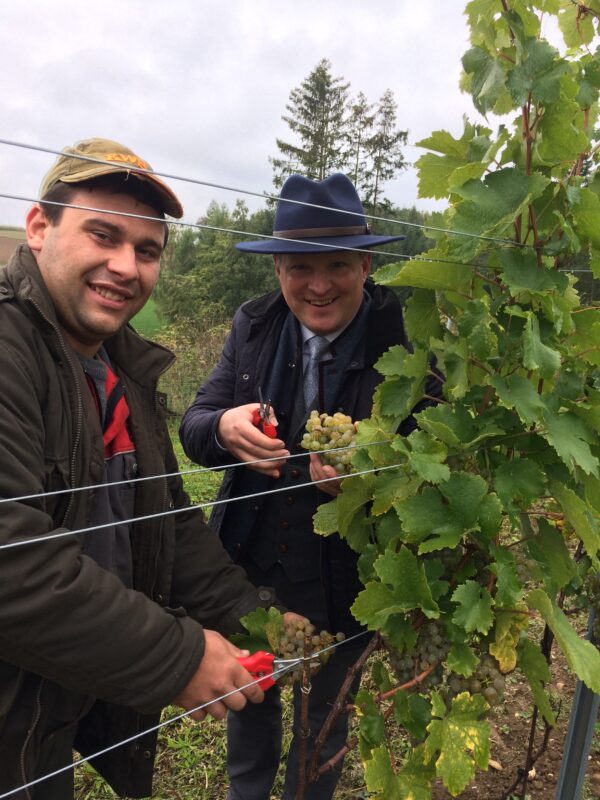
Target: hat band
x=307, y=233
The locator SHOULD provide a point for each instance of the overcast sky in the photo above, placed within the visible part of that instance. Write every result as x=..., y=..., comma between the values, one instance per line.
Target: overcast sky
x=198, y=88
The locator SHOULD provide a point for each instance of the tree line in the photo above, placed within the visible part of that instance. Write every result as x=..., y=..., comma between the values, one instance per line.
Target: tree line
x=204, y=278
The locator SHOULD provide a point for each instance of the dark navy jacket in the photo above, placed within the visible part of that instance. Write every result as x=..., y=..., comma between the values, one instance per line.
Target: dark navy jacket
x=244, y=365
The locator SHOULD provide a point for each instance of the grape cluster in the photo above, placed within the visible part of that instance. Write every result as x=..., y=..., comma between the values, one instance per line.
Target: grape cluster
x=430, y=649
x=291, y=645
x=326, y=432
x=592, y=585
x=486, y=680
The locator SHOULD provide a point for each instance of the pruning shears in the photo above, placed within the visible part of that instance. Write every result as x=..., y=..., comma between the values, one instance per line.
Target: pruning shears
x=261, y=418
x=263, y=665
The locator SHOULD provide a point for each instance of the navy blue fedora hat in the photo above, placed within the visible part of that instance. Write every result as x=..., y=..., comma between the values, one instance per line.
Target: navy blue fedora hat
x=332, y=217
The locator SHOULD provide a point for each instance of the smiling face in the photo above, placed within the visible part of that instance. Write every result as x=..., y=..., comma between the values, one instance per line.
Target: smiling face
x=323, y=290
x=99, y=269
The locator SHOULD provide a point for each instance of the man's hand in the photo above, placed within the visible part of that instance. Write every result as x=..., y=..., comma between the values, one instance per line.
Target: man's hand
x=244, y=441
x=218, y=673
x=320, y=471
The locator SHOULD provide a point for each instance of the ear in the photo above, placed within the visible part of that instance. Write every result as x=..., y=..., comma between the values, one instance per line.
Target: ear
x=36, y=227
x=366, y=265
x=277, y=265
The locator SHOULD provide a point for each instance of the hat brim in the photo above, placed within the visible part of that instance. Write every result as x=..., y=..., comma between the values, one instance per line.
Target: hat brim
x=318, y=245
x=170, y=202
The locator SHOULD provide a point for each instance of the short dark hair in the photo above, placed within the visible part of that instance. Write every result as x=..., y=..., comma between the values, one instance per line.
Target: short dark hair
x=117, y=183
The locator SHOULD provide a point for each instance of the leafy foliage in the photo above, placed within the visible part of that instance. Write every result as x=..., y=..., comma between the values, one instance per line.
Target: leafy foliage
x=477, y=518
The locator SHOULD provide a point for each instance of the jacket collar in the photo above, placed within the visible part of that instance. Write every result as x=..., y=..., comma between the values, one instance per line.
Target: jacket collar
x=385, y=326
x=141, y=360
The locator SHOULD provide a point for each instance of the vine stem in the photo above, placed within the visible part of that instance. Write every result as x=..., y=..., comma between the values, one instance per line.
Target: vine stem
x=304, y=732
x=339, y=705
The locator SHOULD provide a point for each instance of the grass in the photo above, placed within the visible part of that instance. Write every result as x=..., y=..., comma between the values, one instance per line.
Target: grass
x=147, y=322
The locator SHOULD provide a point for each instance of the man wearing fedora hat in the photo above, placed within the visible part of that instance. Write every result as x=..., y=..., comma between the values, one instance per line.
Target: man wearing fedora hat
x=100, y=629
x=312, y=344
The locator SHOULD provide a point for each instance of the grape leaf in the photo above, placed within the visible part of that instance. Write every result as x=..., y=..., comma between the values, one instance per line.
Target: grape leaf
x=412, y=782
x=433, y=274
x=518, y=482
x=519, y=393
x=521, y=273
x=536, y=355
x=582, y=657
x=404, y=587
x=578, y=514
x=455, y=426
x=560, y=138
x=508, y=586
x=587, y=336
x=535, y=668
x=570, y=437
x=459, y=742
x=537, y=74
x=576, y=28
x=390, y=487
x=427, y=456
x=325, y=519
x=264, y=630
x=406, y=576
x=548, y=548
x=413, y=712
x=380, y=778
x=434, y=174
x=474, y=612
x=586, y=211
x=352, y=514
x=461, y=659
x=422, y=317
x=509, y=625
x=371, y=724
x=493, y=203
x=488, y=78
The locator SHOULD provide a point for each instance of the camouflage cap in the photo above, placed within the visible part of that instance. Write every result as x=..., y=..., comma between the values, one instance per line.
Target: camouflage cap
x=117, y=158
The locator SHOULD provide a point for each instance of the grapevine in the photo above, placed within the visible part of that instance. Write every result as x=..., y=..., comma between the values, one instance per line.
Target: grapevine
x=470, y=532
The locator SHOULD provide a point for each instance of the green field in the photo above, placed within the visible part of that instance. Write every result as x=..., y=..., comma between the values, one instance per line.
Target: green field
x=147, y=322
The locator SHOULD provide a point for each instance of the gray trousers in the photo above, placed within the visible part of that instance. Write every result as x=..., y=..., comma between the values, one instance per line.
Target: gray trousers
x=254, y=735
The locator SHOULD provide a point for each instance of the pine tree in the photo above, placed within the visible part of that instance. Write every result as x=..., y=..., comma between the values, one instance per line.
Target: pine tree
x=360, y=132
x=318, y=116
x=385, y=150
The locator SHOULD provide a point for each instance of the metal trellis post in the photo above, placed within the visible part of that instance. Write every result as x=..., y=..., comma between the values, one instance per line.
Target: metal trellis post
x=584, y=713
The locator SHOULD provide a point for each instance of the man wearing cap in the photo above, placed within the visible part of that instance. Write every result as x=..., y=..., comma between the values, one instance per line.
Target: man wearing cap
x=99, y=629
x=312, y=344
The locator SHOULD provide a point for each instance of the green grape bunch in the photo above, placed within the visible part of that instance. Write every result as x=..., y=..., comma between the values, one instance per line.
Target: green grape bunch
x=430, y=650
x=486, y=680
x=291, y=645
x=325, y=432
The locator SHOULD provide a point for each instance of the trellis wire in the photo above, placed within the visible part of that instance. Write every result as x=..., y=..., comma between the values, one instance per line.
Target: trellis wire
x=196, y=471
x=276, y=673
x=195, y=507
x=251, y=193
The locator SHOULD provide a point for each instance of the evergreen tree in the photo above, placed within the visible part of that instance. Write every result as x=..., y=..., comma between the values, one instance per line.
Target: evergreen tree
x=385, y=150
x=318, y=116
x=360, y=132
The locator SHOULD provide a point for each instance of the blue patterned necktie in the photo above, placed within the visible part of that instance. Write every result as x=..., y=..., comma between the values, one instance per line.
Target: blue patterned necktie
x=317, y=345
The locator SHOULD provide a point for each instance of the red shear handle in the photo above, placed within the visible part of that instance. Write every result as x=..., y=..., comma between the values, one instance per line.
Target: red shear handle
x=267, y=428
x=260, y=665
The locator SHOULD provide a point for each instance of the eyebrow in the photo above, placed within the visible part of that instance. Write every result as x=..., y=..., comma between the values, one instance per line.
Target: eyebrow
x=118, y=231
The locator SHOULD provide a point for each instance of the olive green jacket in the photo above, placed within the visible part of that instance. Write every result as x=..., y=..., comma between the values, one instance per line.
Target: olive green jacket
x=62, y=617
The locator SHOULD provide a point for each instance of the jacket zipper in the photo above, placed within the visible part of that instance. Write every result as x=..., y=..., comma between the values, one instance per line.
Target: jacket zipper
x=37, y=713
